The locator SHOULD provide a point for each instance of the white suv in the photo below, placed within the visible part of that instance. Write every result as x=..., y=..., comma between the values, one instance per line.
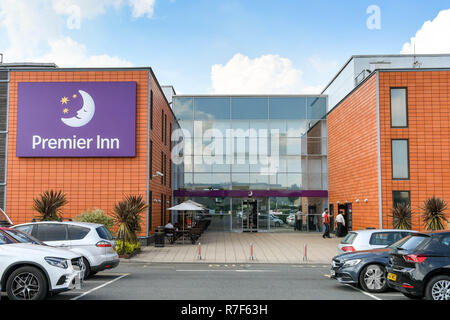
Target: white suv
x=32, y=271
x=92, y=241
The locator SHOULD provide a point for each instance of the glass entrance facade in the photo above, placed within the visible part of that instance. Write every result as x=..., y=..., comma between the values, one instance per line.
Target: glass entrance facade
x=264, y=152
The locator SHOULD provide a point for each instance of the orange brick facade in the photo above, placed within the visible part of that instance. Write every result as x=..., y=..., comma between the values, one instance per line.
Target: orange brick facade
x=91, y=182
x=428, y=135
x=352, y=155
x=353, y=145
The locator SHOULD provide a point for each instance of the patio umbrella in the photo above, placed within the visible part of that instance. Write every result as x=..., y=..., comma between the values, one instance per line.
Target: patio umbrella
x=188, y=205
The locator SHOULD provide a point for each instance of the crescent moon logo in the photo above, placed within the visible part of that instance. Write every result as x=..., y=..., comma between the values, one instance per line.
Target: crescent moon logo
x=84, y=115
x=250, y=193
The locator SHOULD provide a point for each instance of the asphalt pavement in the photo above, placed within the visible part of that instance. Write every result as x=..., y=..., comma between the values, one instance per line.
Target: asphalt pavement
x=156, y=281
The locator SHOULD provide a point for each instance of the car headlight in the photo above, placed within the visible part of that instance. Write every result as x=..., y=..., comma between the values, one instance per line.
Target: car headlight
x=351, y=263
x=57, y=262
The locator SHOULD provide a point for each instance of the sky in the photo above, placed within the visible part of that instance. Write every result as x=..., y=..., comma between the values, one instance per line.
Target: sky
x=222, y=46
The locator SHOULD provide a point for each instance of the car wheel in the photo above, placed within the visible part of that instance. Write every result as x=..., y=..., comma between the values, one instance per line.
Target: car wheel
x=373, y=278
x=411, y=296
x=438, y=288
x=87, y=271
x=27, y=283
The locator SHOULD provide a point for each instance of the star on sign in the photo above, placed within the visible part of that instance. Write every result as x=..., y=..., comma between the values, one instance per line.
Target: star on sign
x=65, y=110
x=74, y=96
x=64, y=100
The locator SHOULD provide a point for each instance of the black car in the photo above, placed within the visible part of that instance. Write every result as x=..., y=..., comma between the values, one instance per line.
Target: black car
x=365, y=268
x=420, y=267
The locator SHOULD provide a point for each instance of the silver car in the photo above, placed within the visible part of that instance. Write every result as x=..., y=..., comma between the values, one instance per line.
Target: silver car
x=92, y=241
x=370, y=239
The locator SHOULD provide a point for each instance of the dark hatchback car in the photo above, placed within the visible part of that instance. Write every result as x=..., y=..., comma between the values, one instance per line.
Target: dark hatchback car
x=366, y=268
x=420, y=267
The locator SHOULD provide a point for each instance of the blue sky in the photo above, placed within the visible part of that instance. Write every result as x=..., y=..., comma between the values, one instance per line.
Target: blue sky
x=183, y=39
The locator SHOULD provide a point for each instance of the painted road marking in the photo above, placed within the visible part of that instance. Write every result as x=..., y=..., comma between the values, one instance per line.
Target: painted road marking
x=366, y=293
x=99, y=287
x=239, y=270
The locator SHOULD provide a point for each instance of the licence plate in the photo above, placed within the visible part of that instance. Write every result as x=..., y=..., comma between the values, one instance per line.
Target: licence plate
x=392, y=276
x=332, y=273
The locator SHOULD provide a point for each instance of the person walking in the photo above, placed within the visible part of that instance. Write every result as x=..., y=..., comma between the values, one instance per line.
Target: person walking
x=326, y=224
x=298, y=220
x=340, y=222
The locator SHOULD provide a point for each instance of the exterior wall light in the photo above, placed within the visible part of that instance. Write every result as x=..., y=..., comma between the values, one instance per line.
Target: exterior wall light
x=366, y=200
x=158, y=174
x=357, y=201
x=337, y=202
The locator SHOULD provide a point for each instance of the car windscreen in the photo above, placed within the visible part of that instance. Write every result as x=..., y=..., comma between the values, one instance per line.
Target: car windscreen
x=104, y=233
x=4, y=239
x=349, y=238
x=22, y=237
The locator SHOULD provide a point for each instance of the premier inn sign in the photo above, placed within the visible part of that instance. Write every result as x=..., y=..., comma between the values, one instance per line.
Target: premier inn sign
x=76, y=119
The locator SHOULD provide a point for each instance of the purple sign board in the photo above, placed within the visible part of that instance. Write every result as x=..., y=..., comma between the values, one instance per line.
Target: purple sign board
x=76, y=119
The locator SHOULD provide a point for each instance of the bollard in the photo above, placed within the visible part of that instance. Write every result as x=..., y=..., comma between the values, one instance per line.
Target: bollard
x=199, y=255
x=305, y=253
x=251, y=252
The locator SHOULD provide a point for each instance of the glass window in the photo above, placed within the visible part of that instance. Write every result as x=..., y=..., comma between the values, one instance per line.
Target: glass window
x=294, y=164
x=23, y=237
x=51, y=232
x=4, y=239
x=104, y=233
x=409, y=243
x=211, y=108
x=400, y=159
x=183, y=108
x=385, y=238
x=77, y=232
x=317, y=107
x=259, y=182
x=287, y=107
x=212, y=181
x=28, y=228
x=399, y=110
x=296, y=128
x=402, y=197
x=249, y=108
x=294, y=181
x=240, y=181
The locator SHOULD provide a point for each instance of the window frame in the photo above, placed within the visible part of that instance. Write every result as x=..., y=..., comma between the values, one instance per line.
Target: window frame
x=392, y=158
x=406, y=106
x=409, y=196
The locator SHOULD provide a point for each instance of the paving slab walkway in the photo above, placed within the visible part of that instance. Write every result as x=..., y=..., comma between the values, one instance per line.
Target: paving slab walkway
x=234, y=247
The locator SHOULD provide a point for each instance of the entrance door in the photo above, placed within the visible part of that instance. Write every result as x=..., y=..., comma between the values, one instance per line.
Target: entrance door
x=249, y=216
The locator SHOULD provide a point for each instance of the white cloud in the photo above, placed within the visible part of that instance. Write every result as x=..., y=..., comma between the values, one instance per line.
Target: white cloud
x=69, y=53
x=433, y=37
x=269, y=74
x=142, y=7
x=36, y=32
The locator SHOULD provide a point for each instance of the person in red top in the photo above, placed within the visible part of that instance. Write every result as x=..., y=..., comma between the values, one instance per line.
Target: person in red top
x=326, y=224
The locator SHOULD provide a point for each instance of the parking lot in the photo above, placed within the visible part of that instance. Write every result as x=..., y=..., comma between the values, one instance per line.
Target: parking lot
x=157, y=281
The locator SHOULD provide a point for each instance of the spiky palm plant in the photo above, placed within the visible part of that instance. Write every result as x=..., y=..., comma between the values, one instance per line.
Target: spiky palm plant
x=127, y=215
x=49, y=204
x=433, y=212
x=401, y=215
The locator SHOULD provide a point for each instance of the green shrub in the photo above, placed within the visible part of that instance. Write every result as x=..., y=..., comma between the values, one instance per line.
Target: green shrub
x=127, y=248
x=48, y=205
x=96, y=216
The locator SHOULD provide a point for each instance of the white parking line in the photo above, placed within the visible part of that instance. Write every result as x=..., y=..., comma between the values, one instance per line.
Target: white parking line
x=366, y=293
x=99, y=287
x=239, y=270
